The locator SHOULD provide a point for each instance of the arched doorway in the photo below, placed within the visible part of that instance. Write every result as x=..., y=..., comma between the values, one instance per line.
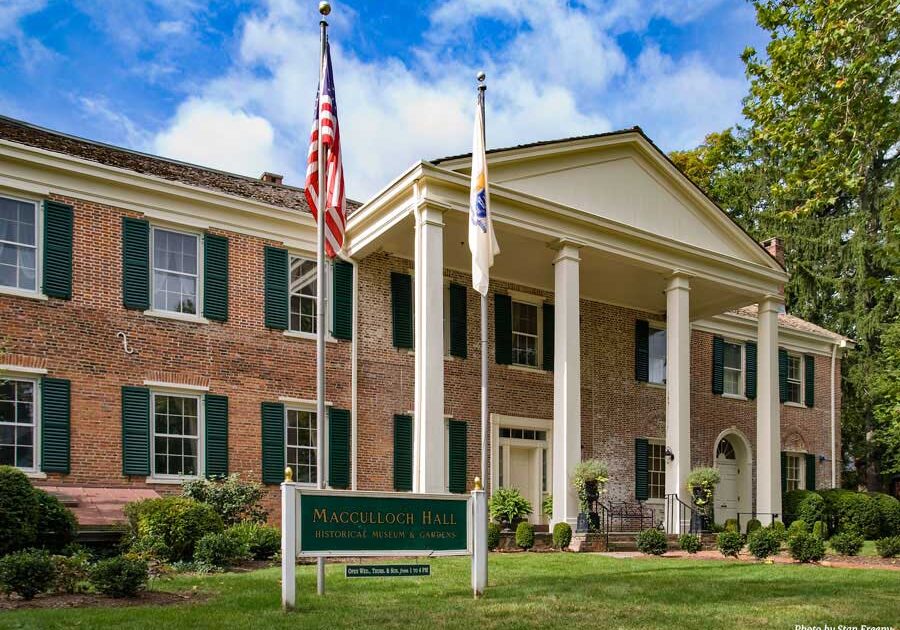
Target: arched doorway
x=734, y=494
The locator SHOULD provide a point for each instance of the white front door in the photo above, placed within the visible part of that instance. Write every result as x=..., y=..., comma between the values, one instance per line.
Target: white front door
x=520, y=473
x=726, y=496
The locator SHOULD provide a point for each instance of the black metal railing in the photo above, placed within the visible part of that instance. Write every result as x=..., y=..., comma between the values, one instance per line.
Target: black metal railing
x=628, y=516
x=681, y=517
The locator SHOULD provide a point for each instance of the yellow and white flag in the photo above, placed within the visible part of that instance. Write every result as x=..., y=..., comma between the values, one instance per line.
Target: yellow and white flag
x=482, y=241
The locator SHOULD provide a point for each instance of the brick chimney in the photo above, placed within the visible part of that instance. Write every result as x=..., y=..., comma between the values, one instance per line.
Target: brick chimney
x=775, y=247
x=272, y=178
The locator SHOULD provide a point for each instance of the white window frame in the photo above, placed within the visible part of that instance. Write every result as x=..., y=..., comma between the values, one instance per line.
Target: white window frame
x=320, y=469
x=329, y=297
x=742, y=371
x=35, y=418
x=800, y=380
x=37, y=292
x=657, y=327
x=654, y=444
x=801, y=470
x=201, y=435
x=198, y=314
x=537, y=303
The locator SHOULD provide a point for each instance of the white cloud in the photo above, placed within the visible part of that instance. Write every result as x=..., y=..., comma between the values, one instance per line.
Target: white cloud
x=31, y=51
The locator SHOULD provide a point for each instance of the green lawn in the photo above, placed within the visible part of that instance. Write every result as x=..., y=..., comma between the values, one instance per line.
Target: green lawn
x=526, y=590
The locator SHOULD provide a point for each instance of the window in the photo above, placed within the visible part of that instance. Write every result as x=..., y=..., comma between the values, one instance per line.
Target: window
x=657, y=346
x=794, y=380
x=725, y=449
x=524, y=334
x=176, y=435
x=522, y=434
x=656, y=471
x=301, y=444
x=175, y=271
x=17, y=423
x=734, y=369
x=303, y=295
x=793, y=465
x=18, y=244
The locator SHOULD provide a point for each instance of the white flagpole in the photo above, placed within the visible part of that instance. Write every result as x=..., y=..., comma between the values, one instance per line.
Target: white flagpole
x=324, y=9
x=484, y=325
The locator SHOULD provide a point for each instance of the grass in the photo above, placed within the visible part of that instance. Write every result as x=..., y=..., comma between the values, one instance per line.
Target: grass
x=526, y=591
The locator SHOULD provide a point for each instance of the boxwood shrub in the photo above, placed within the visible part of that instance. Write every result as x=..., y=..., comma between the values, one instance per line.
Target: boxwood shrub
x=791, y=504
x=652, y=542
x=221, y=550
x=763, y=543
x=493, y=535
x=731, y=525
x=888, y=547
x=26, y=573
x=730, y=543
x=56, y=526
x=752, y=525
x=690, y=543
x=171, y=526
x=780, y=531
x=120, y=576
x=262, y=541
x=847, y=543
x=525, y=535
x=19, y=510
x=806, y=547
x=562, y=535
x=797, y=527
x=888, y=513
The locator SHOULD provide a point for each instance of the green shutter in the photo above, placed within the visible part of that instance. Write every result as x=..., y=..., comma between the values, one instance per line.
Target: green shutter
x=276, y=289
x=549, y=328
x=55, y=422
x=784, y=473
x=641, y=469
x=810, y=471
x=750, y=358
x=216, y=418
x=782, y=374
x=642, y=350
x=457, y=456
x=401, y=309
x=458, y=324
x=809, y=366
x=215, y=277
x=273, y=442
x=135, y=263
x=339, y=448
x=57, y=272
x=135, y=431
x=342, y=310
x=502, y=329
x=718, y=365
x=403, y=452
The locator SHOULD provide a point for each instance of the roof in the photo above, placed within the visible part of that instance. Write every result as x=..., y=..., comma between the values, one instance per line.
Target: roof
x=98, y=508
x=280, y=195
x=791, y=321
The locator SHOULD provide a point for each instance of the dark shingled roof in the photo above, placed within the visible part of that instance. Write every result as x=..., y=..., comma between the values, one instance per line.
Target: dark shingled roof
x=191, y=174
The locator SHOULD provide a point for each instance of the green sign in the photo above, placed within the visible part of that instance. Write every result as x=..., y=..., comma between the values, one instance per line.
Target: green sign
x=364, y=523
x=387, y=570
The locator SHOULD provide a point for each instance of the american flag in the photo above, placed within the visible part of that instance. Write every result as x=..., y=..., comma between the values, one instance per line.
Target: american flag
x=335, y=201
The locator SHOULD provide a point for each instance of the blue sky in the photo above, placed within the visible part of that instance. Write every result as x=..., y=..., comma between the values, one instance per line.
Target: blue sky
x=231, y=83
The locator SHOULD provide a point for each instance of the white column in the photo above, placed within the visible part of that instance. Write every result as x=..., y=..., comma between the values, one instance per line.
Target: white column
x=678, y=394
x=768, y=411
x=479, y=514
x=566, y=383
x=429, y=308
x=288, y=544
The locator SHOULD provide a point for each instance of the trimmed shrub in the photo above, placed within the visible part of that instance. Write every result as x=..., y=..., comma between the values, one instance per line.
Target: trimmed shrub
x=811, y=508
x=525, y=536
x=888, y=513
x=752, y=525
x=731, y=525
x=820, y=529
x=857, y=509
x=690, y=543
x=235, y=501
x=121, y=576
x=220, y=550
x=56, y=525
x=763, y=543
x=547, y=506
x=171, y=526
x=493, y=536
x=730, y=543
x=780, y=531
x=19, y=510
x=70, y=573
x=562, y=535
x=888, y=547
x=847, y=543
x=26, y=573
x=797, y=527
x=262, y=541
x=652, y=542
x=791, y=504
x=806, y=547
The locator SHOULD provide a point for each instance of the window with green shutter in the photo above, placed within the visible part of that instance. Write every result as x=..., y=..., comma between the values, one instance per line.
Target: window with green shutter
x=57, y=273
x=135, y=263
x=215, y=277
x=55, y=424
x=272, y=432
x=809, y=364
x=641, y=469
x=784, y=472
x=457, y=451
x=718, y=365
x=503, y=329
x=750, y=356
x=276, y=288
x=402, y=309
x=338, y=448
x=403, y=453
x=782, y=374
x=642, y=350
x=342, y=308
x=216, y=419
x=458, y=323
x=810, y=471
x=135, y=431
x=548, y=330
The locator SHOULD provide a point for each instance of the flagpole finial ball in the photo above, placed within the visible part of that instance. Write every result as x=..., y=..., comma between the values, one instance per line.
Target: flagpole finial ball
x=324, y=7
x=481, y=76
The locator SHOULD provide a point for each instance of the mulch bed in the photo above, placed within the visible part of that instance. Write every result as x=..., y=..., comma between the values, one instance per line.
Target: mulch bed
x=92, y=600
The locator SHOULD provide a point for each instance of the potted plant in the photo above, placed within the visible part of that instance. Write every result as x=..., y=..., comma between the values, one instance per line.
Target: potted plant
x=589, y=480
x=508, y=507
x=702, y=482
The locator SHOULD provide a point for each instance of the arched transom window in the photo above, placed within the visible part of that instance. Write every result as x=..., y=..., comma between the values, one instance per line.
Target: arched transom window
x=725, y=449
